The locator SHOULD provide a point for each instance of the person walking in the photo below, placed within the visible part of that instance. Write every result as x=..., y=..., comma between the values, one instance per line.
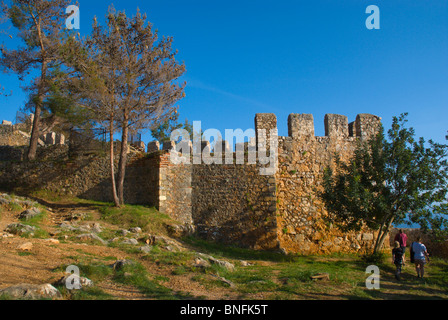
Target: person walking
x=421, y=257
x=402, y=238
x=398, y=259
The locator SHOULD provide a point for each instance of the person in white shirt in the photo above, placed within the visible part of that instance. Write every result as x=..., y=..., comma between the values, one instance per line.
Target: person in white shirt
x=420, y=257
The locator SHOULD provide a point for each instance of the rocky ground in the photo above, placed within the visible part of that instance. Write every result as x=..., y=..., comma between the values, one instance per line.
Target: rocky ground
x=41, y=241
x=34, y=251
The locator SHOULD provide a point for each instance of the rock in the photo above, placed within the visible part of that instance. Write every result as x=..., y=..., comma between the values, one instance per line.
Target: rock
x=54, y=233
x=321, y=276
x=225, y=264
x=167, y=243
x=130, y=241
x=84, y=282
x=53, y=241
x=367, y=237
x=224, y=280
x=245, y=263
x=26, y=203
x=32, y=291
x=4, y=201
x=85, y=228
x=19, y=229
x=90, y=237
x=6, y=235
x=67, y=226
x=75, y=216
x=178, y=231
x=201, y=263
x=29, y=214
x=145, y=249
x=27, y=246
x=120, y=264
x=149, y=239
x=124, y=232
x=135, y=230
x=96, y=227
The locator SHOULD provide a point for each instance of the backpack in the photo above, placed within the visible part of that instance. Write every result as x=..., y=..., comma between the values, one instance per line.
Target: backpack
x=412, y=253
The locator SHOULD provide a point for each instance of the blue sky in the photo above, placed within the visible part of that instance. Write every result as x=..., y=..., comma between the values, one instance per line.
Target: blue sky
x=246, y=57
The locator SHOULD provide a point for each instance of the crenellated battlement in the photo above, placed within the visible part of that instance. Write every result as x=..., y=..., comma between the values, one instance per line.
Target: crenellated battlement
x=336, y=126
x=299, y=126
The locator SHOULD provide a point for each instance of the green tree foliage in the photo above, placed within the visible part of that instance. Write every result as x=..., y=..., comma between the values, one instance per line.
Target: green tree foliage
x=163, y=132
x=388, y=181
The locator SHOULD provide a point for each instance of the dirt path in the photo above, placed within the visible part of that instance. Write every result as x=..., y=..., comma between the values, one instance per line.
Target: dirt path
x=37, y=265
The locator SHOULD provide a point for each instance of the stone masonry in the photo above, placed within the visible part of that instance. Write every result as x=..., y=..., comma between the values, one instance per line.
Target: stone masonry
x=229, y=203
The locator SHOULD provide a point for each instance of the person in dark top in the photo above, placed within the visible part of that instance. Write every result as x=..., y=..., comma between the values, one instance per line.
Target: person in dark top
x=398, y=259
x=402, y=238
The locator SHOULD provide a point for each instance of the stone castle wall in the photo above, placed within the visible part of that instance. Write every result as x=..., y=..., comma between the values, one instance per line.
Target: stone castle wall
x=303, y=158
x=234, y=204
x=229, y=203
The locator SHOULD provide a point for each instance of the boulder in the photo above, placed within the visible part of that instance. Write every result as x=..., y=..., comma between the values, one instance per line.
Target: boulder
x=130, y=241
x=135, y=230
x=29, y=214
x=145, y=249
x=96, y=227
x=67, y=226
x=120, y=264
x=84, y=282
x=32, y=291
x=27, y=246
x=201, y=263
x=19, y=229
x=90, y=237
x=222, y=263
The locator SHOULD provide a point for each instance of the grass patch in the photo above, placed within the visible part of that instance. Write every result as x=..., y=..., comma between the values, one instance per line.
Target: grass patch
x=92, y=293
x=136, y=275
x=38, y=233
x=170, y=258
x=14, y=207
x=25, y=254
x=224, y=251
x=93, y=271
x=148, y=219
x=38, y=219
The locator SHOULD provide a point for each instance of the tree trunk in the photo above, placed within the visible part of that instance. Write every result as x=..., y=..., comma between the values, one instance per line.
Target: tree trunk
x=112, y=165
x=35, y=133
x=123, y=161
x=32, y=151
x=382, y=235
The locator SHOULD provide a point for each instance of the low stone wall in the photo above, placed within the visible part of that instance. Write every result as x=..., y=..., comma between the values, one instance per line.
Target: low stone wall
x=11, y=136
x=8, y=153
x=86, y=176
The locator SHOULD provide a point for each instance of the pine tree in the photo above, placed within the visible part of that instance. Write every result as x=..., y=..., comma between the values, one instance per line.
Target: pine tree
x=128, y=77
x=40, y=25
